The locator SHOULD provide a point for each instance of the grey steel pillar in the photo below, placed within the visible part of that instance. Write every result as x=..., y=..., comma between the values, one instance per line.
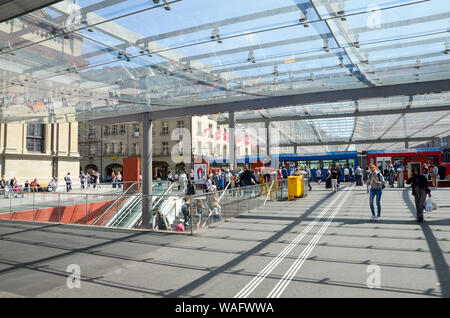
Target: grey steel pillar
x=406, y=144
x=268, y=141
x=146, y=165
x=295, y=149
x=232, y=141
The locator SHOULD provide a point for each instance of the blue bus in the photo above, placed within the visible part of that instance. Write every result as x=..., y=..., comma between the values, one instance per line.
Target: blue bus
x=316, y=161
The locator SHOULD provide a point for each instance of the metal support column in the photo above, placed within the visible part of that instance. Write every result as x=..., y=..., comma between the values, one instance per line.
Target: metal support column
x=406, y=144
x=232, y=141
x=268, y=141
x=146, y=170
x=295, y=149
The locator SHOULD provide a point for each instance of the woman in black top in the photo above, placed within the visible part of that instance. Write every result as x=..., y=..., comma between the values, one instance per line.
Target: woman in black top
x=420, y=190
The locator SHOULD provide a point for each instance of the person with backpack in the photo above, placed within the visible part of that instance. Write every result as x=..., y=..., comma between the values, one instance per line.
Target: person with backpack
x=68, y=182
x=434, y=177
x=377, y=184
x=420, y=190
x=190, y=188
x=186, y=210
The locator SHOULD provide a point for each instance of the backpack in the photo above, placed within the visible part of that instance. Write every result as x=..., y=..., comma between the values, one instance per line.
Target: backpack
x=380, y=178
x=185, y=209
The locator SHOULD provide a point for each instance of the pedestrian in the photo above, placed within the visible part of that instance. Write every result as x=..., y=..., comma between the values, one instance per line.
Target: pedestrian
x=51, y=185
x=319, y=175
x=284, y=172
x=82, y=179
x=328, y=179
x=426, y=171
x=228, y=177
x=377, y=183
x=247, y=177
x=190, y=188
x=68, y=182
x=180, y=226
x=119, y=179
x=334, y=179
x=434, y=177
x=183, y=178
x=208, y=184
x=420, y=191
x=186, y=210
x=442, y=171
x=366, y=178
x=358, y=175
x=346, y=174
x=3, y=184
x=309, y=176
x=391, y=176
x=113, y=179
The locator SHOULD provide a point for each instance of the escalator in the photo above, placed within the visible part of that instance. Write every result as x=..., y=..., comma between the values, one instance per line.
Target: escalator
x=130, y=213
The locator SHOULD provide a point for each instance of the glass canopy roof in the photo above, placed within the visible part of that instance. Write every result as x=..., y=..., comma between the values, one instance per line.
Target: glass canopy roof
x=91, y=59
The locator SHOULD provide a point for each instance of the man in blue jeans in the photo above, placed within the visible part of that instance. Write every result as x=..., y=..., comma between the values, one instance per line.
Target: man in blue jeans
x=376, y=182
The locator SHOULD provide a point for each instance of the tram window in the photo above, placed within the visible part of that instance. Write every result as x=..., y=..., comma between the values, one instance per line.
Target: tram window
x=314, y=164
x=301, y=163
x=341, y=162
x=372, y=161
x=433, y=160
x=399, y=162
x=327, y=163
x=351, y=162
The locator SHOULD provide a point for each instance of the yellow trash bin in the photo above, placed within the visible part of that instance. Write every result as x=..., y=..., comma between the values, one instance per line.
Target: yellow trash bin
x=295, y=187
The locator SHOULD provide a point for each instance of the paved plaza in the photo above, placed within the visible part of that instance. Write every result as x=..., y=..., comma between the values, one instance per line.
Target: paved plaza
x=320, y=246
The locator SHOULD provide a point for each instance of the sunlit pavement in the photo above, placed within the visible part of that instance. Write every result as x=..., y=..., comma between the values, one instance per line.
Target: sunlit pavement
x=320, y=246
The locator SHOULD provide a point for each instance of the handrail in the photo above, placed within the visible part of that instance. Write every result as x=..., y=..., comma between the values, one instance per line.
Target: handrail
x=268, y=192
x=224, y=191
x=115, y=201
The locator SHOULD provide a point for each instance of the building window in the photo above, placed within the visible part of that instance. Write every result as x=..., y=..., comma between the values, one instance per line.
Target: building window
x=199, y=129
x=180, y=123
x=114, y=129
x=136, y=131
x=106, y=149
x=225, y=134
x=210, y=130
x=122, y=129
x=136, y=148
x=92, y=133
x=225, y=153
x=35, y=137
x=92, y=149
x=217, y=150
x=165, y=148
x=107, y=130
x=165, y=128
x=199, y=147
x=210, y=144
x=115, y=148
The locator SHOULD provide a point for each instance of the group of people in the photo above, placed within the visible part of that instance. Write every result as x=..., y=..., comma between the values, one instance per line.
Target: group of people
x=87, y=179
x=419, y=184
x=13, y=188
